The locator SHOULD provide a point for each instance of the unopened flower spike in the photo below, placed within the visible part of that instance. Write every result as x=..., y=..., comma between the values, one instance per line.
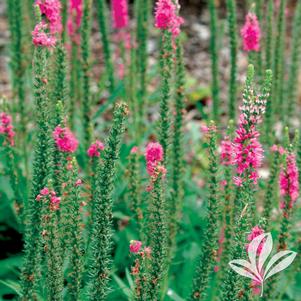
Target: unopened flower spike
x=207, y=258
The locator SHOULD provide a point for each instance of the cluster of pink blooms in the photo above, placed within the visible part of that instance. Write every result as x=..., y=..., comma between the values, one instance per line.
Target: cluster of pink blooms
x=256, y=231
x=41, y=38
x=221, y=241
x=65, y=139
x=248, y=152
x=166, y=17
x=289, y=182
x=120, y=14
x=51, y=9
x=135, y=246
x=251, y=33
x=227, y=152
x=78, y=182
x=252, y=111
x=134, y=150
x=153, y=155
x=54, y=199
x=7, y=128
x=74, y=19
x=247, y=148
x=95, y=149
x=44, y=32
x=279, y=149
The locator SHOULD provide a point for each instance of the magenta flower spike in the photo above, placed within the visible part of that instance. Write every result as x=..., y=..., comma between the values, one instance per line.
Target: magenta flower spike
x=251, y=33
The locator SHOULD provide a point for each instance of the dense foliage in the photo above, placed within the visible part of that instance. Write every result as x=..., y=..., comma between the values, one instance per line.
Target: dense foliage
x=110, y=191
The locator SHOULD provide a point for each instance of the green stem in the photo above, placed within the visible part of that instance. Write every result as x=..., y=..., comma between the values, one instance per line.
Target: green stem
x=214, y=59
x=176, y=201
x=210, y=245
x=294, y=65
x=99, y=258
x=158, y=239
x=279, y=60
x=166, y=65
x=85, y=53
x=232, y=23
x=102, y=21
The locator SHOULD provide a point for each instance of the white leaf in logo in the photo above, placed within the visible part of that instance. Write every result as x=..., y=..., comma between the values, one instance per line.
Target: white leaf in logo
x=284, y=259
x=258, y=252
x=244, y=268
x=253, y=249
x=265, y=252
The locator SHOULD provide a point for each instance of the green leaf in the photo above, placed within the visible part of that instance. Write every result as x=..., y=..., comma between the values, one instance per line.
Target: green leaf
x=15, y=286
x=173, y=296
x=118, y=92
x=125, y=289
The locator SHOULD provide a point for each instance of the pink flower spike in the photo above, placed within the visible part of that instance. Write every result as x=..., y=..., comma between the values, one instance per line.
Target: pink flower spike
x=149, y=188
x=134, y=150
x=7, y=128
x=55, y=200
x=227, y=152
x=223, y=183
x=148, y=251
x=166, y=17
x=44, y=191
x=95, y=149
x=237, y=181
x=65, y=140
x=41, y=38
x=74, y=19
x=256, y=287
x=153, y=155
x=281, y=150
x=251, y=33
x=161, y=170
x=204, y=129
x=154, y=152
x=135, y=246
x=256, y=231
x=51, y=9
x=78, y=182
x=289, y=181
x=120, y=14
x=55, y=203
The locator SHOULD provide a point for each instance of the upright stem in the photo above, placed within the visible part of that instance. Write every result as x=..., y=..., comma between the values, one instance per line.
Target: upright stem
x=85, y=47
x=176, y=201
x=207, y=259
x=279, y=60
x=142, y=58
x=30, y=271
x=166, y=65
x=158, y=238
x=294, y=65
x=99, y=250
x=269, y=34
x=232, y=23
x=103, y=26
x=214, y=59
